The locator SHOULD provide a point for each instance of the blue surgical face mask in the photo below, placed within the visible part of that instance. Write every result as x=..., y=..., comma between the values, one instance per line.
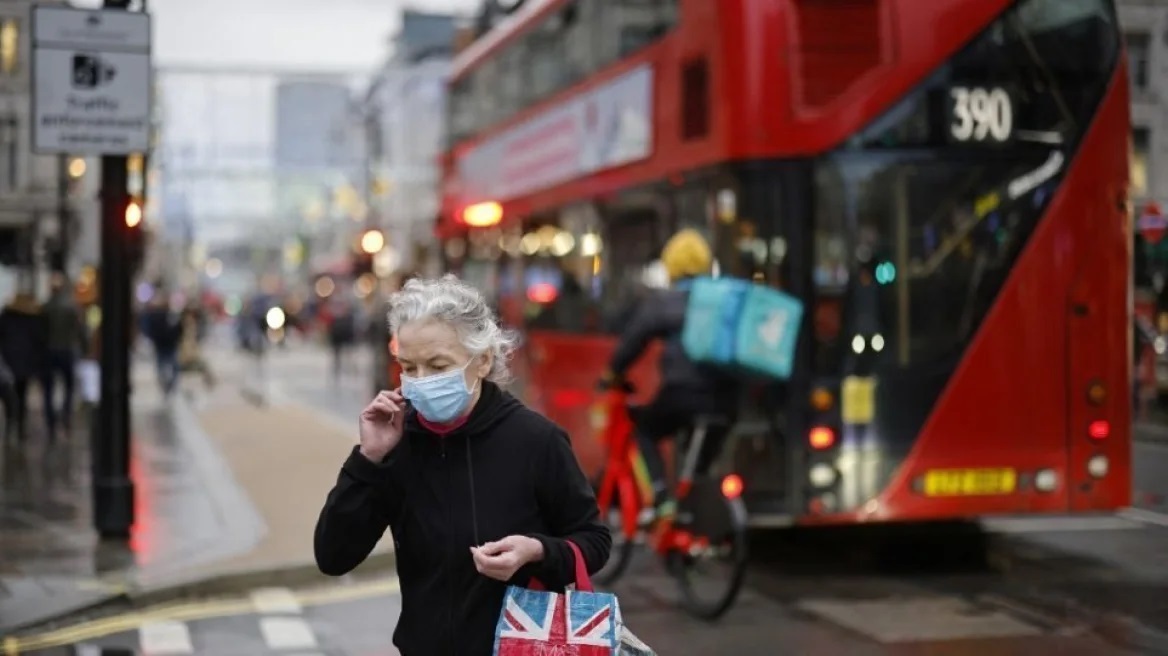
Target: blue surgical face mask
x=440, y=398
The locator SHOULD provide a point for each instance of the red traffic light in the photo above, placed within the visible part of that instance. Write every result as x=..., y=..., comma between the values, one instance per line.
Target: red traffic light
x=133, y=214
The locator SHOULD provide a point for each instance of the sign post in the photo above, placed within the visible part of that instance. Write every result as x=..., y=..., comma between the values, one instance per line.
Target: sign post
x=91, y=95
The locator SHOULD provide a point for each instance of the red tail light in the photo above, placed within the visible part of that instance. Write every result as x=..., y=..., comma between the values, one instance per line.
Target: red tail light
x=732, y=486
x=821, y=437
x=1100, y=429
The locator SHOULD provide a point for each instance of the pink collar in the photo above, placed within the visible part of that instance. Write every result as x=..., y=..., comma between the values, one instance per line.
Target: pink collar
x=442, y=430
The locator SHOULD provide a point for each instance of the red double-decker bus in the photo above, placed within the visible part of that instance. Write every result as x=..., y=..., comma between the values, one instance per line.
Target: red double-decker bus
x=944, y=182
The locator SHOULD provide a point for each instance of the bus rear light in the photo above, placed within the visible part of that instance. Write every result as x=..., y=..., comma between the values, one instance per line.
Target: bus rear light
x=821, y=437
x=822, y=399
x=821, y=475
x=1098, y=466
x=1096, y=393
x=1045, y=480
x=1100, y=429
x=732, y=486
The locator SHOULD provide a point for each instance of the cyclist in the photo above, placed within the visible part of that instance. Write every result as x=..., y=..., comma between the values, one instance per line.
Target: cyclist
x=687, y=389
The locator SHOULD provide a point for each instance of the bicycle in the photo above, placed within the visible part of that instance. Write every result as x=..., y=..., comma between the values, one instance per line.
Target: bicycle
x=710, y=518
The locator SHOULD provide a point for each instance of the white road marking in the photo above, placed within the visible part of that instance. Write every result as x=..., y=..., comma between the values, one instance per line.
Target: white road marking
x=1059, y=524
x=165, y=639
x=1145, y=516
x=275, y=601
x=282, y=633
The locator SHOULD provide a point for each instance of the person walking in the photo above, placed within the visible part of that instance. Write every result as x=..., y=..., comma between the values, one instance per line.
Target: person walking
x=478, y=490
x=65, y=341
x=23, y=346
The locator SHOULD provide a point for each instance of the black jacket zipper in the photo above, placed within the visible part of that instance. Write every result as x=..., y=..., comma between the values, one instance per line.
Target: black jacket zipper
x=451, y=632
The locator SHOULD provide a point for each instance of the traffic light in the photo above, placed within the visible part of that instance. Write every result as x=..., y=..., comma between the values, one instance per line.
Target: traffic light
x=134, y=214
x=135, y=240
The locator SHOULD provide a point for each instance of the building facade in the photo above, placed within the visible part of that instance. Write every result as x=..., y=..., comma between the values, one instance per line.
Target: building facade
x=1145, y=27
x=406, y=107
x=42, y=218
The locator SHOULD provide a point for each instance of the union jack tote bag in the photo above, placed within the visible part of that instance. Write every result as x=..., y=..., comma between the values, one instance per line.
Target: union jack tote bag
x=580, y=622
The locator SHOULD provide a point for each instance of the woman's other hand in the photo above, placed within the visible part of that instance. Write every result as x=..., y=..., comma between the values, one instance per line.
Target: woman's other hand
x=381, y=425
x=500, y=560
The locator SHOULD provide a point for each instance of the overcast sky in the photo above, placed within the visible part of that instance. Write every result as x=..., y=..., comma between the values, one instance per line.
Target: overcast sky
x=287, y=34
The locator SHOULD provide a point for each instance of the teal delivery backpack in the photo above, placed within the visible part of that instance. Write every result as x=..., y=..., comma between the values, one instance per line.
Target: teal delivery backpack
x=737, y=324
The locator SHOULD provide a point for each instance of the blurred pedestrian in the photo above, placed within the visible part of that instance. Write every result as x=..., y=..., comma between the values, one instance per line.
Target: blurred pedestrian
x=190, y=352
x=7, y=397
x=163, y=330
x=478, y=490
x=24, y=346
x=342, y=335
x=66, y=341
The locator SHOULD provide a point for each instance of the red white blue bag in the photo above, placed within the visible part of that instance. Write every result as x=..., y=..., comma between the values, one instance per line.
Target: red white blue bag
x=580, y=622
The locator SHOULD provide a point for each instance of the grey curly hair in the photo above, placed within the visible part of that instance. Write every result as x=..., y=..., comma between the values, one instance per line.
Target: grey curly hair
x=462, y=307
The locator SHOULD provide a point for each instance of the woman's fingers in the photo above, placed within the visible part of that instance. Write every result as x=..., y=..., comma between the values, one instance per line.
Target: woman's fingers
x=392, y=395
x=385, y=406
x=500, y=567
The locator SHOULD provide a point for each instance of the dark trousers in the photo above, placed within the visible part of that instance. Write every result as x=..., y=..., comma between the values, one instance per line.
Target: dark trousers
x=17, y=408
x=166, y=363
x=8, y=397
x=62, y=365
x=669, y=413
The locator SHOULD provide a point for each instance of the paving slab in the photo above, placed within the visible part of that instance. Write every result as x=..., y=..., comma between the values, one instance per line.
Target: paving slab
x=227, y=496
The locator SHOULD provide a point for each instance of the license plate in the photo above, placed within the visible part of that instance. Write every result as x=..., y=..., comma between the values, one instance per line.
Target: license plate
x=969, y=482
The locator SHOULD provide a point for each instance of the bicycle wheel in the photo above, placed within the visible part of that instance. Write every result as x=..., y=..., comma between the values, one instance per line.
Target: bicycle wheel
x=716, y=525
x=624, y=540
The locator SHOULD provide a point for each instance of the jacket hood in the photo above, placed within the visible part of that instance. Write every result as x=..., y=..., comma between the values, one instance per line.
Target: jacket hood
x=494, y=406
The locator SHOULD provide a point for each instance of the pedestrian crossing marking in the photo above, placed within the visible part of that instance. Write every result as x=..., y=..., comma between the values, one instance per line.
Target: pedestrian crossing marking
x=165, y=639
x=191, y=611
x=283, y=633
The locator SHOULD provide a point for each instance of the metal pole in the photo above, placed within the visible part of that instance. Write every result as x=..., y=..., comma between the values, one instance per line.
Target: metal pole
x=113, y=491
x=113, y=500
x=64, y=219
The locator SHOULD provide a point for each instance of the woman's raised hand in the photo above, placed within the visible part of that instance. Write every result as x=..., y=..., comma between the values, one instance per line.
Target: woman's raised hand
x=381, y=425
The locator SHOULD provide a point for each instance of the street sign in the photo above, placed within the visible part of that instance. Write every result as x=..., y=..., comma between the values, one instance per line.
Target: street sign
x=91, y=80
x=1152, y=224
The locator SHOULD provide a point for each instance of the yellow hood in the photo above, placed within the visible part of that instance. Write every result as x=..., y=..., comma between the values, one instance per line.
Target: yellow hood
x=687, y=254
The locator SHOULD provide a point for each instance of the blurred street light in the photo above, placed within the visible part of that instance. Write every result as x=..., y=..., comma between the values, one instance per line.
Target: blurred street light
x=77, y=167
x=275, y=318
x=372, y=241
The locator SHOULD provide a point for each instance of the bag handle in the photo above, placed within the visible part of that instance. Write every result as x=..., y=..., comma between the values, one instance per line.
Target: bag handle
x=583, y=583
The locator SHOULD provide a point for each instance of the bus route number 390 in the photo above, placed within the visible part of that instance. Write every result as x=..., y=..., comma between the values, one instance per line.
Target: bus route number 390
x=980, y=114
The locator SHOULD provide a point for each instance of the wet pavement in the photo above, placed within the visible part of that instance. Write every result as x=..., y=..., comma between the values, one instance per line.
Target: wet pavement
x=51, y=560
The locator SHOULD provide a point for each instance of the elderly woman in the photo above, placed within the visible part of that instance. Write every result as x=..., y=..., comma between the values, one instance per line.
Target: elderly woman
x=478, y=491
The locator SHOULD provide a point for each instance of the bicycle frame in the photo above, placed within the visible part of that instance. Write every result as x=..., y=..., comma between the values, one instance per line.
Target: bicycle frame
x=618, y=470
x=619, y=476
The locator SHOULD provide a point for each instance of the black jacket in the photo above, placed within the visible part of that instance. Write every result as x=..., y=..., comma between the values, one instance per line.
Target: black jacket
x=23, y=345
x=525, y=481
x=661, y=315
